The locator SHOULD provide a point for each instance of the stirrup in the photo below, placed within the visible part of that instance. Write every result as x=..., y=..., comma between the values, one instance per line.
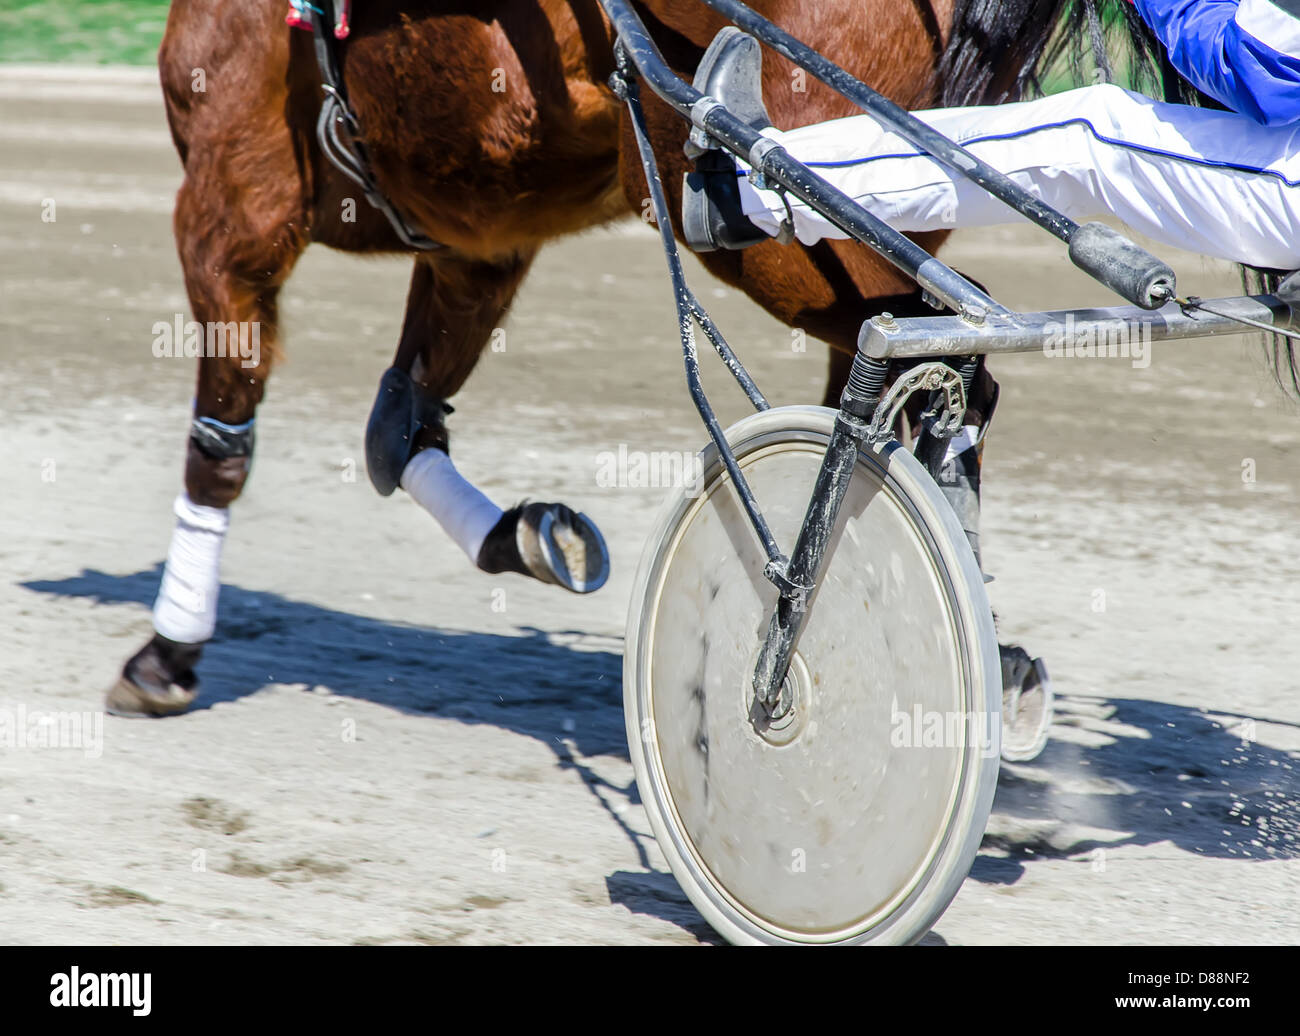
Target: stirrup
x=731, y=72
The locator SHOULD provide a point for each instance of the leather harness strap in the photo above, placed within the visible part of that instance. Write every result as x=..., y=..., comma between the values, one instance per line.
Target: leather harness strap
x=338, y=131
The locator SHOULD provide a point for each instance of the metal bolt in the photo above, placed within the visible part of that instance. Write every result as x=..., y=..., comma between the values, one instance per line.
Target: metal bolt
x=886, y=320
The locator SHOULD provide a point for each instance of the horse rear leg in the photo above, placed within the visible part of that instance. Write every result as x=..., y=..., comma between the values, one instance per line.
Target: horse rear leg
x=235, y=258
x=453, y=307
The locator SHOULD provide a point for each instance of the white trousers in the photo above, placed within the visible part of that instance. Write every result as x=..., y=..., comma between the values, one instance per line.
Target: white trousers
x=1207, y=181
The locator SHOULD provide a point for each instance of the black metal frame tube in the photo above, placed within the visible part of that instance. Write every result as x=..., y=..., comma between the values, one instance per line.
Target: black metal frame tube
x=689, y=309
x=901, y=121
x=858, y=402
x=1100, y=251
x=773, y=162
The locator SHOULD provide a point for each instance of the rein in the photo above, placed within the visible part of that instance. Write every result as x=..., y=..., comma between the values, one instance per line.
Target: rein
x=337, y=129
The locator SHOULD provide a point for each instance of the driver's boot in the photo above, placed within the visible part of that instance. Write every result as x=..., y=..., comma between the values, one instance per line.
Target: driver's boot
x=731, y=71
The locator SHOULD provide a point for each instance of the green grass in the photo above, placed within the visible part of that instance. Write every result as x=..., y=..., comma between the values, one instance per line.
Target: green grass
x=85, y=31
x=129, y=31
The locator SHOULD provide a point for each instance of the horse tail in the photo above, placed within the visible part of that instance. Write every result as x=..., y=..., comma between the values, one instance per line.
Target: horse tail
x=1003, y=50
x=996, y=49
x=1279, y=348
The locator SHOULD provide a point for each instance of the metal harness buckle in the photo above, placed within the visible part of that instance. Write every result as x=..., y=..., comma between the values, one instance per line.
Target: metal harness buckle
x=348, y=156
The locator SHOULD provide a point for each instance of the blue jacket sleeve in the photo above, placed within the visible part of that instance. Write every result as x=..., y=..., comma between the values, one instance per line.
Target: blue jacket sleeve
x=1246, y=55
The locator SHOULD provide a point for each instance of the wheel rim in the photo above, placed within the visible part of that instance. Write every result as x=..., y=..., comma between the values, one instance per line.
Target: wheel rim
x=823, y=826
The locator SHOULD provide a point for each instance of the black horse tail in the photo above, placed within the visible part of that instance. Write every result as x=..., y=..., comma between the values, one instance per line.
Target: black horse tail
x=1001, y=50
x=1280, y=348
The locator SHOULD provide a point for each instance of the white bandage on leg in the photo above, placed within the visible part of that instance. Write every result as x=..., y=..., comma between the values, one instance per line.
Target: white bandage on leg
x=466, y=514
x=186, y=608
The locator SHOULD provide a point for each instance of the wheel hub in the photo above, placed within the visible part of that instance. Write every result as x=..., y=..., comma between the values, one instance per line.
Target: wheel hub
x=788, y=719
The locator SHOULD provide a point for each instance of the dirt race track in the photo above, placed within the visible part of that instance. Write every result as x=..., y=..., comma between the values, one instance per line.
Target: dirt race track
x=393, y=747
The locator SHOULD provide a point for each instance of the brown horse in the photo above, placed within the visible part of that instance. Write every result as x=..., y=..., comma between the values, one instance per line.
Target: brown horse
x=491, y=127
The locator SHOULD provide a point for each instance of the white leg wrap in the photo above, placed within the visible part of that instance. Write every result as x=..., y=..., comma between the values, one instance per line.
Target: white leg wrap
x=186, y=608
x=466, y=514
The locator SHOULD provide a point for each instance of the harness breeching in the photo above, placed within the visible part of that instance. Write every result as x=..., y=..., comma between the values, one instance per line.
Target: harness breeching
x=337, y=128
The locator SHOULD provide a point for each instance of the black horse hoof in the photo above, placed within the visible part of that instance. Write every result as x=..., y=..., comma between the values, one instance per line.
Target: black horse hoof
x=1026, y=704
x=551, y=543
x=158, y=680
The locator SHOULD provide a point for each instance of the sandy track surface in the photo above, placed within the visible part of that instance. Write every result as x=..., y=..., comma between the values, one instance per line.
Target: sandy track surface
x=393, y=747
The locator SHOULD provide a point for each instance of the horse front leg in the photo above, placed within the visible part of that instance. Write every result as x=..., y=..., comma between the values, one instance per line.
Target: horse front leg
x=454, y=305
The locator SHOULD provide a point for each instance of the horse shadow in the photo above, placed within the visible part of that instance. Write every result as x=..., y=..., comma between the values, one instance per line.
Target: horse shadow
x=552, y=686
x=1122, y=772
x=517, y=681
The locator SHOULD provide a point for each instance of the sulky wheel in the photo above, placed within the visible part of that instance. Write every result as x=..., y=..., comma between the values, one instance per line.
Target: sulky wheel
x=856, y=817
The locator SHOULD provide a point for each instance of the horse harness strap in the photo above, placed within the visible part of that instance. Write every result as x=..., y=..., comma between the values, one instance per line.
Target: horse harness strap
x=337, y=128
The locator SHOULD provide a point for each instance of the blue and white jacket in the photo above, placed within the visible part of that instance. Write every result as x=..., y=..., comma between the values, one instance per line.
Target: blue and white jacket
x=1244, y=53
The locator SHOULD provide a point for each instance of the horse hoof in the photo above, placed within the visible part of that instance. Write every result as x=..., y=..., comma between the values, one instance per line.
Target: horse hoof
x=558, y=545
x=1026, y=704
x=550, y=542
x=157, y=681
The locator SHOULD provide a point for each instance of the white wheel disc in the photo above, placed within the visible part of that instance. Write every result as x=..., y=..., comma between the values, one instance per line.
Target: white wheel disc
x=855, y=818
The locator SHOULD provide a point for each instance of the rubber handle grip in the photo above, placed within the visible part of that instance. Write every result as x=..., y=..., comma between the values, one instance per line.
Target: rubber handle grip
x=1127, y=269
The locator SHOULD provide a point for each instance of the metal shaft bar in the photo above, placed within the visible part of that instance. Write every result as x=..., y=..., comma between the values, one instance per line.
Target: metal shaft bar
x=791, y=612
x=901, y=121
x=777, y=167
x=858, y=402
x=1110, y=329
x=687, y=306
x=1100, y=251
x=728, y=355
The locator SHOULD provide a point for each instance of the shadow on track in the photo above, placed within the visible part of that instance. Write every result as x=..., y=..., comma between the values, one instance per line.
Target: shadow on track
x=535, y=683
x=1147, y=772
